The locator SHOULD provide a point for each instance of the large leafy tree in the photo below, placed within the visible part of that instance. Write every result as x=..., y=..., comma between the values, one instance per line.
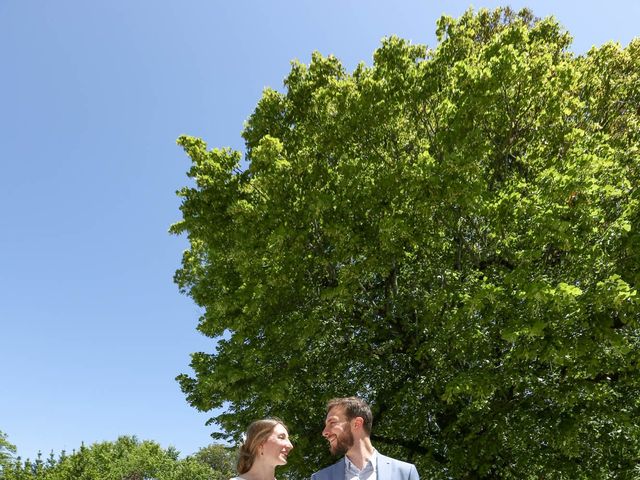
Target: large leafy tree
x=450, y=233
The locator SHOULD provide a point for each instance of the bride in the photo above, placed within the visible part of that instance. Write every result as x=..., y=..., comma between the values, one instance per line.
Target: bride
x=265, y=447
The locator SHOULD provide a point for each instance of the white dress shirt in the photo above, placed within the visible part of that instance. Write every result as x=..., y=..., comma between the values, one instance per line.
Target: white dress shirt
x=368, y=472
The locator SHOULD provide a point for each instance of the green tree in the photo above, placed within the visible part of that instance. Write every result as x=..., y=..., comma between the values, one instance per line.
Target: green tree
x=450, y=233
x=220, y=458
x=125, y=459
x=7, y=451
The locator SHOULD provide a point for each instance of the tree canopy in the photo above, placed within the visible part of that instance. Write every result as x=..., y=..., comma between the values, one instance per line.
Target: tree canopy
x=450, y=233
x=125, y=459
x=7, y=450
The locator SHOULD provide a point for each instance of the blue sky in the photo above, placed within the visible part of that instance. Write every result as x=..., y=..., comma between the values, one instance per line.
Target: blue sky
x=93, y=95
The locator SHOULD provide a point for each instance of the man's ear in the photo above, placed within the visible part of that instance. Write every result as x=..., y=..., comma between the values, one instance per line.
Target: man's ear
x=358, y=422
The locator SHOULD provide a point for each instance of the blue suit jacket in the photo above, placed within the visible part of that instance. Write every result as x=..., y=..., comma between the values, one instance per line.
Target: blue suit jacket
x=388, y=469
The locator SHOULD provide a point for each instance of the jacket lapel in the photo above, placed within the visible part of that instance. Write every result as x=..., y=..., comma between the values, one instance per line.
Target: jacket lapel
x=384, y=467
x=337, y=471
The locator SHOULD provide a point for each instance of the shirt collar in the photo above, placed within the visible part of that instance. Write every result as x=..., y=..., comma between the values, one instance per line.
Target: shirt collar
x=373, y=461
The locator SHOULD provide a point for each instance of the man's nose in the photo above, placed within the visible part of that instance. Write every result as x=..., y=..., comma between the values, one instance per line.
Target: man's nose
x=325, y=432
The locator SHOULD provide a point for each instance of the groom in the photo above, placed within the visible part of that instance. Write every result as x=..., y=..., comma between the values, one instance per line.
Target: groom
x=348, y=428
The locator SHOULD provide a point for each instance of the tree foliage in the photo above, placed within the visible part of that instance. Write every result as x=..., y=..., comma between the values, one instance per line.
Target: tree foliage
x=125, y=459
x=7, y=450
x=450, y=233
x=220, y=458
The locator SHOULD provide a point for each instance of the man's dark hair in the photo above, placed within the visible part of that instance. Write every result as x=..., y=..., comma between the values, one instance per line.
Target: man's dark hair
x=354, y=407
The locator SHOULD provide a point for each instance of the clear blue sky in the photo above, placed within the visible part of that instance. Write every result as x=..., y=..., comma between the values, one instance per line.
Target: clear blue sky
x=93, y=95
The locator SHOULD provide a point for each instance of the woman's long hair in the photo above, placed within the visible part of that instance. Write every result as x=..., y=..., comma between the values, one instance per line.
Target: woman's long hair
x=256, y=435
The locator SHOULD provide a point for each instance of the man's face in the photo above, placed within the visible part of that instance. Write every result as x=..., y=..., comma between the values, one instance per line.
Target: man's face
x=337, y=431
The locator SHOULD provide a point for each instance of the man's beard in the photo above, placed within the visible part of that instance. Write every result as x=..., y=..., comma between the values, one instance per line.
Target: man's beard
x=343, y=443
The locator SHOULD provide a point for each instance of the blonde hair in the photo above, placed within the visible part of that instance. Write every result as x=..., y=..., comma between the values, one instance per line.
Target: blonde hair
x=257, y=434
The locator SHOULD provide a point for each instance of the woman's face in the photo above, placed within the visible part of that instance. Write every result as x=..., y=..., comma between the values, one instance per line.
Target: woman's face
x=277, y=447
